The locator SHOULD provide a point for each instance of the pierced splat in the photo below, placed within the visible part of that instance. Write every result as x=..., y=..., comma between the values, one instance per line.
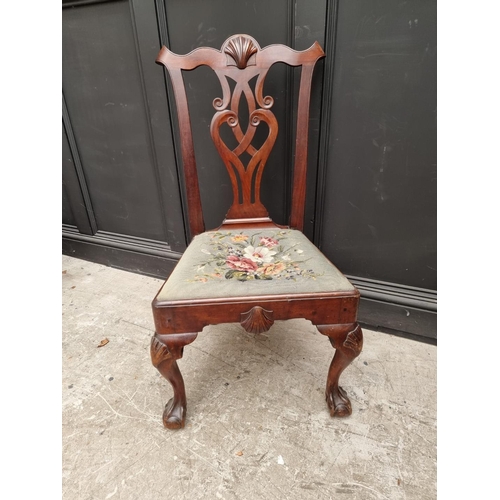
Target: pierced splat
x=246, y=201
x=245, y=179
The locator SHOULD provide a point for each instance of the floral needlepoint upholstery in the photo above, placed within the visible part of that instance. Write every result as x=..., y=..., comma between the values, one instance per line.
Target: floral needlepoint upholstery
x=251, y=262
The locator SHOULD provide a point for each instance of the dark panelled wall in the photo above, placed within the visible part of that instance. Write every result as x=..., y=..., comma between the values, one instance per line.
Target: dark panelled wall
x=378, y=211
x=118, y=155
x=371, y=194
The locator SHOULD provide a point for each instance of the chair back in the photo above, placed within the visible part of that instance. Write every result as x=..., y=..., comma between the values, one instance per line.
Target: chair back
x=242, y=61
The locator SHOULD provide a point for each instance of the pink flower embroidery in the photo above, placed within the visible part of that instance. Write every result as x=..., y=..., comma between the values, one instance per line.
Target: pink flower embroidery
x=268, y=242
x=241, y=263
x=244, y=257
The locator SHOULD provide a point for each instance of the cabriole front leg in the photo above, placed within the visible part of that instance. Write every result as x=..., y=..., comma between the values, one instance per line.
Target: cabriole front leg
x=348, y=342
x=165, y=351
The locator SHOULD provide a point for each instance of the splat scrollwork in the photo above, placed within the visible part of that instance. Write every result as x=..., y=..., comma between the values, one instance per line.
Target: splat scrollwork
x=222, y=103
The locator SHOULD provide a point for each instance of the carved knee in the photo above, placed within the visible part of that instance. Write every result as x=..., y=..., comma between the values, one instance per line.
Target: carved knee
x=159, y=352
x=349, y=342
x=169, y=347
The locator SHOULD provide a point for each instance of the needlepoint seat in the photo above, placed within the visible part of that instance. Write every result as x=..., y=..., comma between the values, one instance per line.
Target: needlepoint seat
x=253, y=262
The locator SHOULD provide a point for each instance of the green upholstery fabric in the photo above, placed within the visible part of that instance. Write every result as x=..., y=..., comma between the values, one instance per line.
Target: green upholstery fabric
x=251, y=262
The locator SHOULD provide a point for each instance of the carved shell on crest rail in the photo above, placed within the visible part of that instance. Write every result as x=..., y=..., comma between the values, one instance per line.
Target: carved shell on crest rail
x=257, y=320
x=241, y=49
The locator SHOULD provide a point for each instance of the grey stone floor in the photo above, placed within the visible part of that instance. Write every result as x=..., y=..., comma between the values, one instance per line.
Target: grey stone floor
x=257, y=425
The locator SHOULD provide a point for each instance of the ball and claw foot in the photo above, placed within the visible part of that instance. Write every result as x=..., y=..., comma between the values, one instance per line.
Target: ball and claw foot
x=338, y=403
x=348, y=343
x=174, y=415
x=165, y=351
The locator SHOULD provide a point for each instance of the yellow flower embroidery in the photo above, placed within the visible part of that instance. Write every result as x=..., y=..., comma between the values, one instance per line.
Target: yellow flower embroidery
x=239, y=238
x=272, y=269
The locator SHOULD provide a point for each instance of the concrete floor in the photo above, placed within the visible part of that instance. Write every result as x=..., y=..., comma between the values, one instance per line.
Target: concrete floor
x=257, y=424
